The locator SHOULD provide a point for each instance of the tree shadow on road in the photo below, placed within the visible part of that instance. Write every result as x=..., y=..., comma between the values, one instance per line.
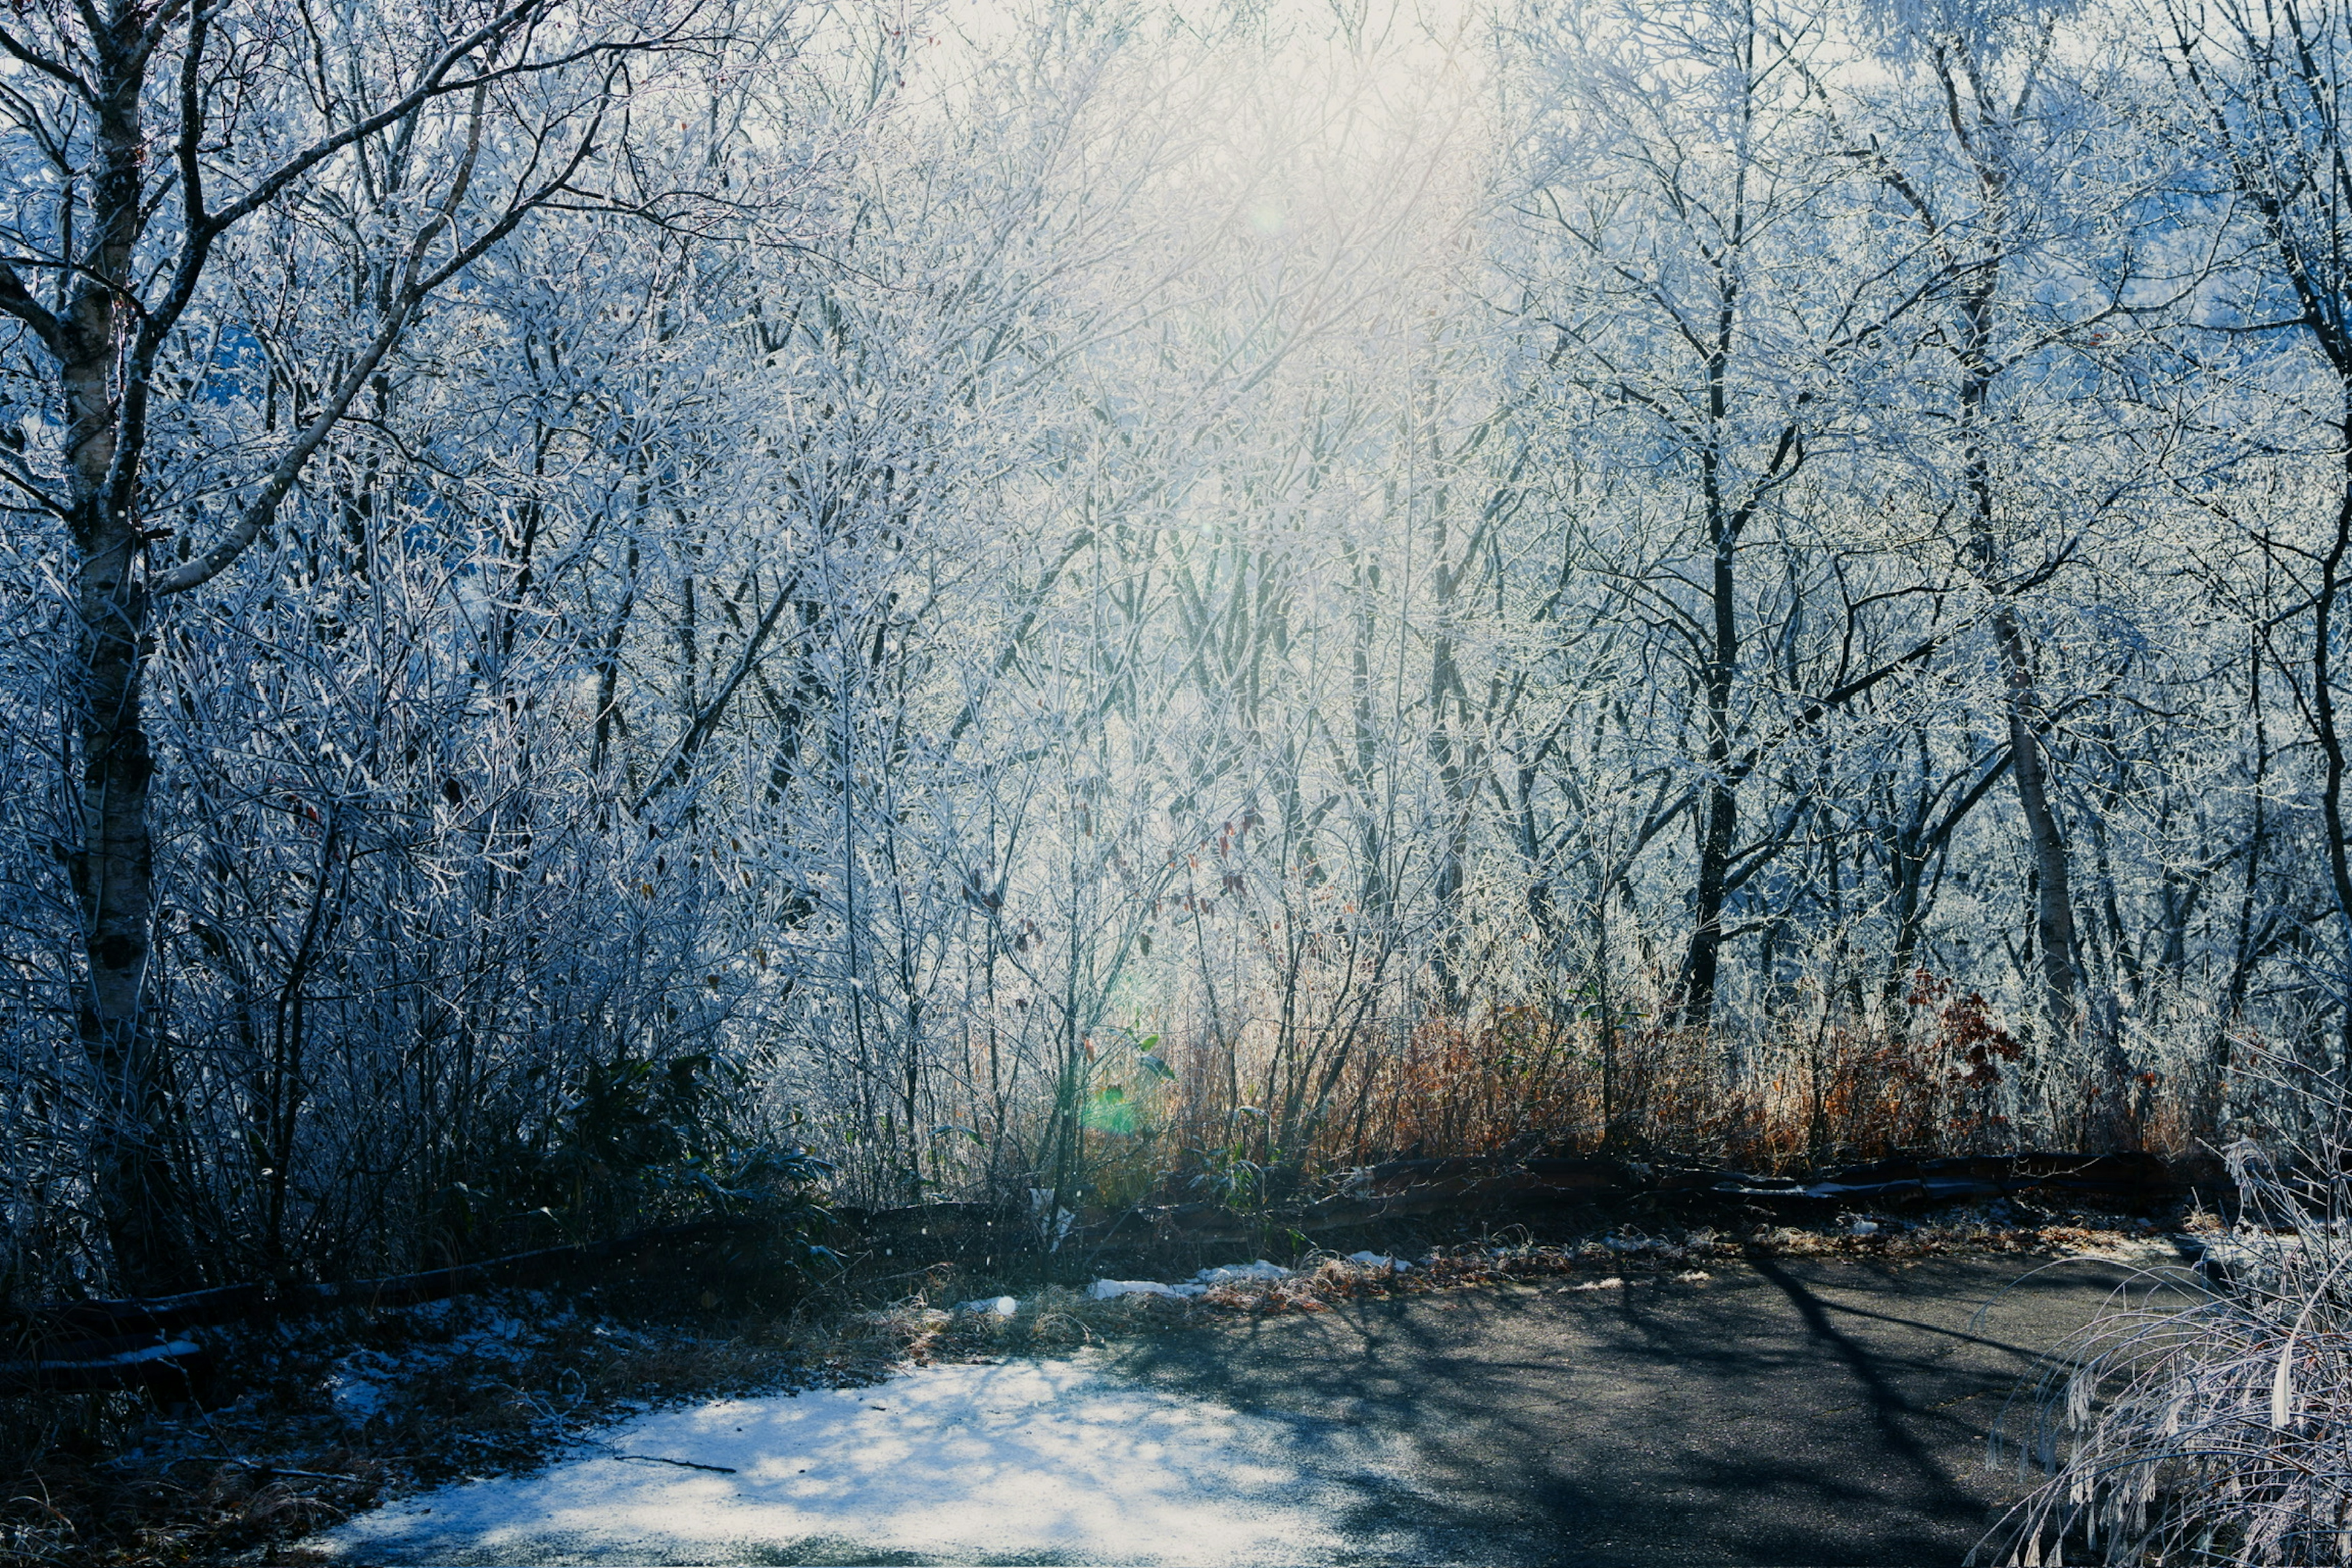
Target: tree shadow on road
x=1783, y=1412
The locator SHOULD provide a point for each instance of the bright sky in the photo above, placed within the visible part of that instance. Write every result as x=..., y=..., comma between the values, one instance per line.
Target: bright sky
x=1332, y=101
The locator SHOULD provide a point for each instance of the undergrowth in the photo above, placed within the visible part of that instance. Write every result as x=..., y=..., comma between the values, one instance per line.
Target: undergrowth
x=1250, y=1116
x=332, y=1415
x=2217, y=1430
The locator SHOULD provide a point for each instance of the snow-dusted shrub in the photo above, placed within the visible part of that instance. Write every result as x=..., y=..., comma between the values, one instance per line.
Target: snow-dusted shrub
x=2210, y=1420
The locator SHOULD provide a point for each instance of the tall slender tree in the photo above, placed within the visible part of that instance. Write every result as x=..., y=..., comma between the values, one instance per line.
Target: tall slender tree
x=165, y=131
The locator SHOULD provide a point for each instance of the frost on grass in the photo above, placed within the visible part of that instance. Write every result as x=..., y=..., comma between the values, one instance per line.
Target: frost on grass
x=2218, y=1431
x=1238, y=1273
x=1111, y=1290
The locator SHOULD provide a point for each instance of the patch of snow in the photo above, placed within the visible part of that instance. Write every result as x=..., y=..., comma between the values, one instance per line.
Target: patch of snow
x=1379, y=1260
x=356, y=1385
x=1693, y=1277
x=1864, y=1228
x=361, y=1384
x=1611, y=1283
x=1017, y=1461
x=499, y=1338
x=1111, y=1290
x=356, y=1398
x=1233, y=1273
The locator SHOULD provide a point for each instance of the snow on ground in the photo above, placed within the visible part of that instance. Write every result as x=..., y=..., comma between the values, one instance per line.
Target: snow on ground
x=1258, y=1273
x=1111, y=1290
x=358, y=1381
x=1022, y=1460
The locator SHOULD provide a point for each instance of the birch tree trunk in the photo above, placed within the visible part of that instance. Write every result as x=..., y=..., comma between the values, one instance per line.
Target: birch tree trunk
x=114, y=866
x=133, y=237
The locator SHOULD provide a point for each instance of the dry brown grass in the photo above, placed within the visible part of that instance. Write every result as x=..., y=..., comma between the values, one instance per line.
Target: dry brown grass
x=1937, y=1072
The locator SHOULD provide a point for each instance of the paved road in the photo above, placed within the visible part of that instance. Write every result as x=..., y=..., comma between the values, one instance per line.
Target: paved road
x=1782, y=1412
x=1776, y=1412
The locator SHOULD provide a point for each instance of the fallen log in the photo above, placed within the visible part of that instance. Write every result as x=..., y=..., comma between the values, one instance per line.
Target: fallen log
x=79, y=1346
x=1406, y=1189
x=168, y=1366
x=2115, y=1178
x=83, y=1345
x=153, y=1314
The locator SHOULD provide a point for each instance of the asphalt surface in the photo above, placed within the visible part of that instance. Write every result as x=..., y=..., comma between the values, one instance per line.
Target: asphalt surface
x=1774, y=1412
x=1780, y=1412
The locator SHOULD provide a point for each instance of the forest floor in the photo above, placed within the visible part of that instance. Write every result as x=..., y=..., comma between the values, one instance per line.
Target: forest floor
x=1774, y=1393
